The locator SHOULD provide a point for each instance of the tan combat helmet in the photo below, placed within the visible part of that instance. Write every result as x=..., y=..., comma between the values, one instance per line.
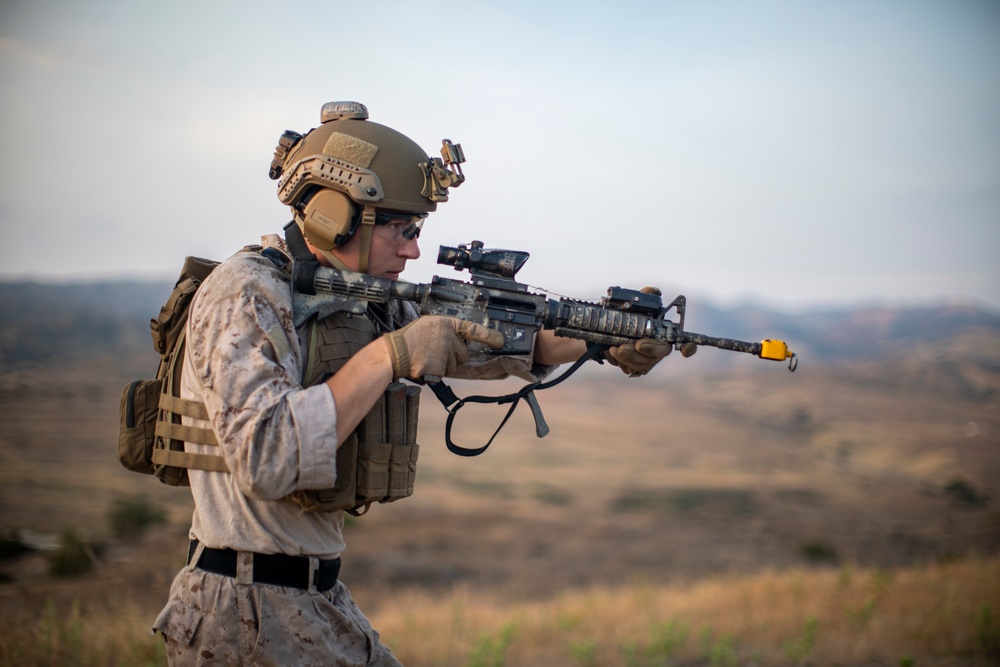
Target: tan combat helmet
x=337, y=175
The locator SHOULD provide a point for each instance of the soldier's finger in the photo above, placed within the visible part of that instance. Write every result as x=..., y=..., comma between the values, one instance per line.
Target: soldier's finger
x=478, y=333
x=653, y=348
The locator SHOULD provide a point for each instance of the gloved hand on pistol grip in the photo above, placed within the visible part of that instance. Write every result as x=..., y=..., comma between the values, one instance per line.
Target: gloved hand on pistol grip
x=435, y=346
x=638, y=357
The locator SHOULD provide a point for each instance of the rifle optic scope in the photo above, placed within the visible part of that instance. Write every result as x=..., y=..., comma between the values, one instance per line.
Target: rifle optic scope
x=500, y=263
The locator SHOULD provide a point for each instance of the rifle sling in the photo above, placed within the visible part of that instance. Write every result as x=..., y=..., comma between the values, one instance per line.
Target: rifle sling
x=452, y=403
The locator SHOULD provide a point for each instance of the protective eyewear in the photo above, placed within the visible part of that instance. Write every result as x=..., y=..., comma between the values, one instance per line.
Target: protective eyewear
x=407, y=225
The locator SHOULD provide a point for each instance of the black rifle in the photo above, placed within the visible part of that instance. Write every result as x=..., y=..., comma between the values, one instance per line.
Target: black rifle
x=494, y=299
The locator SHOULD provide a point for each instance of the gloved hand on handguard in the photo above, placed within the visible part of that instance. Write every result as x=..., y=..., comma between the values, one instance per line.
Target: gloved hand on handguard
x=639, y=357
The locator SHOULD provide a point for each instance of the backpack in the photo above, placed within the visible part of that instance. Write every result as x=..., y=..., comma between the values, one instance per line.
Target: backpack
x=150, y=434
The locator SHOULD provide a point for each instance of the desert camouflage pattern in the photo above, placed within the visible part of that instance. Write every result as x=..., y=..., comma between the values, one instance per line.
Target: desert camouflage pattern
x=378, y=462
x=245, y=363
x=214, y=620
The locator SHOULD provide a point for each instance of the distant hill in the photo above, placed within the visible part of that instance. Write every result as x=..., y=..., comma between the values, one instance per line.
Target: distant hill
x=858, y=334
x=41, y=324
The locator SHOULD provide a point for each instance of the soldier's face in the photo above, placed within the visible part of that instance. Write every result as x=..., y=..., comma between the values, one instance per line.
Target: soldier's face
x=391, y=249
x=393, y=244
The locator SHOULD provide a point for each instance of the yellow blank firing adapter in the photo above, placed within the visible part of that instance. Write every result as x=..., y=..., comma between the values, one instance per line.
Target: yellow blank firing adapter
x=777, y=350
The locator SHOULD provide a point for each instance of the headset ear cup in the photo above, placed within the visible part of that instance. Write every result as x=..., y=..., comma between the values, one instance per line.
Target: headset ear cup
x=329, y=219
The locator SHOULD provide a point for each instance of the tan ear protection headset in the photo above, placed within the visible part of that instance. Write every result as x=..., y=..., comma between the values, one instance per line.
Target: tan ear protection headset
x=328, y=218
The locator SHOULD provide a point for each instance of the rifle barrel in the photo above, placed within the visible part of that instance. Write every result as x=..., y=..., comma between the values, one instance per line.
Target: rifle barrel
x=722, y=343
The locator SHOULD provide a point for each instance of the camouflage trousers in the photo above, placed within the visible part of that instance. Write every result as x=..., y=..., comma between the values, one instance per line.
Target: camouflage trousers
x=212, y=620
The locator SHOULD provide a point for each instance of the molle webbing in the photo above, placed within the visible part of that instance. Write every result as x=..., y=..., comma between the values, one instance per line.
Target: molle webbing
x=179, y=459
x=328, y=346
x=332, y=342
x=167, y=430
x=170, y=459
x=387, y=445
x=377, y=463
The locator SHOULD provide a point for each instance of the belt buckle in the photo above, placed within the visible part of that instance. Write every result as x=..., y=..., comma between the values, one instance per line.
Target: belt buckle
x=313, y=574
x=244, y=567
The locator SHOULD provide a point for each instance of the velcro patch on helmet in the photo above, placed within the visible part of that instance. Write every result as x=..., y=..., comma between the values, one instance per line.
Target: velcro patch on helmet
x=350, y=149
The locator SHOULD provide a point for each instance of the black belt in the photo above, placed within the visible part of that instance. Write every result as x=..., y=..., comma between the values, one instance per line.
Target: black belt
x=274, y=569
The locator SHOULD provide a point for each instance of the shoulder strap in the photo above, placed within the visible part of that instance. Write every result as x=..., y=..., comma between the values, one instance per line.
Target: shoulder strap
x=168, y=325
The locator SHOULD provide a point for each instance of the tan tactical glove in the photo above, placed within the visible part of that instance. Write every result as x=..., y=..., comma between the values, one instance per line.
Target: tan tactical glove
x=434, y=346
x=638, y=358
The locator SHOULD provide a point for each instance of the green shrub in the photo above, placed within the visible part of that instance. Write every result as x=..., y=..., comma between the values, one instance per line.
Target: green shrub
x=666, y=639
x=860, y=616
x=723, y=653
x=72, y=557
x=11, y=545
x=732, y=502
x=490, y=652
x=818, y=551
x=583, y=651
x=130, y=519
x=551, y=495
x=988, y=633
x=799, y=649
x=962, y=493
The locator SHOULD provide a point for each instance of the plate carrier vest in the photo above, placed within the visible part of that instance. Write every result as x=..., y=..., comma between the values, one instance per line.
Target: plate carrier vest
x=377, y=463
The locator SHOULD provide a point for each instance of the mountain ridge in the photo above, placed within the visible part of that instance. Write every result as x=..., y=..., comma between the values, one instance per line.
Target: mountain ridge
x=41, y=323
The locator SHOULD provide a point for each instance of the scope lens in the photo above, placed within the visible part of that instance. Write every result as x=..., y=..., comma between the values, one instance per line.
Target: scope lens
x=450, y=256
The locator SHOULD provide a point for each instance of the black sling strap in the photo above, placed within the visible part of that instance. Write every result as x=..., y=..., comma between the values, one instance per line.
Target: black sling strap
x=453, y=403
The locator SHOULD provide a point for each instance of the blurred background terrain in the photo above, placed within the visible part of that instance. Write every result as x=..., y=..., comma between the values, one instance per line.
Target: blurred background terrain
x=881, y=451
x=825, y=173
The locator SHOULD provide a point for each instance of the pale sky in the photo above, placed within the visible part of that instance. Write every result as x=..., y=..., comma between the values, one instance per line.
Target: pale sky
x=787, y=154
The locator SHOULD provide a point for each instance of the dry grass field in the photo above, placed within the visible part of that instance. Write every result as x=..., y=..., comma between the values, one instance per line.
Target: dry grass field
x=743, y=516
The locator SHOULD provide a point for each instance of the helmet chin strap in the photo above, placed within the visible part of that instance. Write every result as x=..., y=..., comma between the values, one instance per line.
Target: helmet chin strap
x=367, y=225
x=333, y=259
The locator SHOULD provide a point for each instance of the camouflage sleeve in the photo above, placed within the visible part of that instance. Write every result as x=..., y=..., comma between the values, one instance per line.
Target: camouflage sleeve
x=275, y=436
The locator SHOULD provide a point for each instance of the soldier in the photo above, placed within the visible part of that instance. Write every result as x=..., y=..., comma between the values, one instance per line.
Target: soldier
x=292, y=405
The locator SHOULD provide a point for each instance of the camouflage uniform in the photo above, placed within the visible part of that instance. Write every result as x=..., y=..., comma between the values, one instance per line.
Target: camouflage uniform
x=244, y=362
x=212, y=619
